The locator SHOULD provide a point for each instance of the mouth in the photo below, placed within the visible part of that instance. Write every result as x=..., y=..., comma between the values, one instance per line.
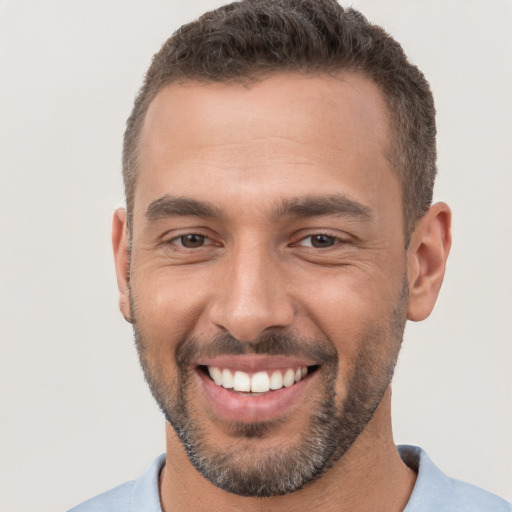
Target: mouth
x=256, y=383
x=250, y=389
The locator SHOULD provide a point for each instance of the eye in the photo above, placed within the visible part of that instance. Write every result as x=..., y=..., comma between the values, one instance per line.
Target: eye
x=320, y=241
x=191, y=241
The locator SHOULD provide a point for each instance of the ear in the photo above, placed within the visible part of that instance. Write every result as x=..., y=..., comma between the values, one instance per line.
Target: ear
x=426, y=260
x=120, y=243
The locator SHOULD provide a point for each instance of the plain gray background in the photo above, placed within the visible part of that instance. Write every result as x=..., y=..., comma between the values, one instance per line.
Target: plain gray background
x=76, y=417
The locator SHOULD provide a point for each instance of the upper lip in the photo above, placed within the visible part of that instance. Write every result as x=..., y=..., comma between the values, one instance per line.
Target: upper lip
x=251, y=363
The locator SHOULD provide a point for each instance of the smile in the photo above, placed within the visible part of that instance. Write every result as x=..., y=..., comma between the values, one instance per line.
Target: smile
x=259, y=382
x=254, y=388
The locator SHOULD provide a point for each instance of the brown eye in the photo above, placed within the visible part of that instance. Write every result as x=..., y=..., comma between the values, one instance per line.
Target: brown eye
x=322, y=241
x=192, y=241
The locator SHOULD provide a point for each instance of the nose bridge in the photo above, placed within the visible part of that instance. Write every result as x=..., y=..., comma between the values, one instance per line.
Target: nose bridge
x=252, y=296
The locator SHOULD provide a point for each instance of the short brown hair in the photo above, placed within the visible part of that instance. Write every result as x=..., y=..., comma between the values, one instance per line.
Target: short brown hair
x=245, y=41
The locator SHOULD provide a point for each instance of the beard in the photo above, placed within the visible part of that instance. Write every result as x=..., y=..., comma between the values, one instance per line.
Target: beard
x=246, y=467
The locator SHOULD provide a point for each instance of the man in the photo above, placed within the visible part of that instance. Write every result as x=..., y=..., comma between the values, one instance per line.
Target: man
x=279, y=231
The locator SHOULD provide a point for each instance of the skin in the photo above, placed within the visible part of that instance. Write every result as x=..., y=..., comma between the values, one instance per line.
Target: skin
x=245, y=150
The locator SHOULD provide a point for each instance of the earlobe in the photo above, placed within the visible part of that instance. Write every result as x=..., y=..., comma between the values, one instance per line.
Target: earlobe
x=426, y=260
x=120, y=244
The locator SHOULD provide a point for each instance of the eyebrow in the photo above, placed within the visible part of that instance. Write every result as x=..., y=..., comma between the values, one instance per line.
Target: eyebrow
x=302, y=207
x=170, y=206
x=315, y=206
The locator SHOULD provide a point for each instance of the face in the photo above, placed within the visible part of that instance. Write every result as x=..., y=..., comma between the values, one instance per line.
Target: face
x=267, y=273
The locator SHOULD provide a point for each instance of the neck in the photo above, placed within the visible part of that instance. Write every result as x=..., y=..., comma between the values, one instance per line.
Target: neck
x=370, y=476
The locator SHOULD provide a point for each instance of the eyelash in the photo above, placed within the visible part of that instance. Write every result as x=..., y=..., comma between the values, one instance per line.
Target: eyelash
x=179, y=240
x=332, y=238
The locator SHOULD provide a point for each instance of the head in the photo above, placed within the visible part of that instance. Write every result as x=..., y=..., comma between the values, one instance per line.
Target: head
x=247, y=41
x=278, y=233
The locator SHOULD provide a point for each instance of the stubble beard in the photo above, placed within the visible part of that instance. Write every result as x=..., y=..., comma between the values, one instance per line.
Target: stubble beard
x=331, y=428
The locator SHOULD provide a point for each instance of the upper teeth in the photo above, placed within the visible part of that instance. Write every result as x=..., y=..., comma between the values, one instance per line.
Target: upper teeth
x=259, y=382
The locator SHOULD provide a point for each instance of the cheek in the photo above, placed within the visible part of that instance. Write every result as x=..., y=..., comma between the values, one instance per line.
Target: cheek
x=167, y=307
x=354, y=311
x=345, y=301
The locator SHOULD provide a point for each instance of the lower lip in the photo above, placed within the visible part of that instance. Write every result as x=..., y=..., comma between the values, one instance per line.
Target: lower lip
x=239, y=407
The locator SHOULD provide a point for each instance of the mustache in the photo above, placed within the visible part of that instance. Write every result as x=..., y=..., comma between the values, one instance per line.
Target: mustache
x=273, y=344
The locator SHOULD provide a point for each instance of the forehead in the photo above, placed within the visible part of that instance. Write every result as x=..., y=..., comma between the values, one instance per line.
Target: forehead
x=284, y=132
x=208, y=112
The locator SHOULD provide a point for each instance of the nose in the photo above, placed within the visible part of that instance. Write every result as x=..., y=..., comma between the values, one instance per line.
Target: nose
x=252, y=295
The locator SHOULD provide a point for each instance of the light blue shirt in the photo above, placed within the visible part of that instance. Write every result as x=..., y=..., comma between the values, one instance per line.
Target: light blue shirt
x=433, y=492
